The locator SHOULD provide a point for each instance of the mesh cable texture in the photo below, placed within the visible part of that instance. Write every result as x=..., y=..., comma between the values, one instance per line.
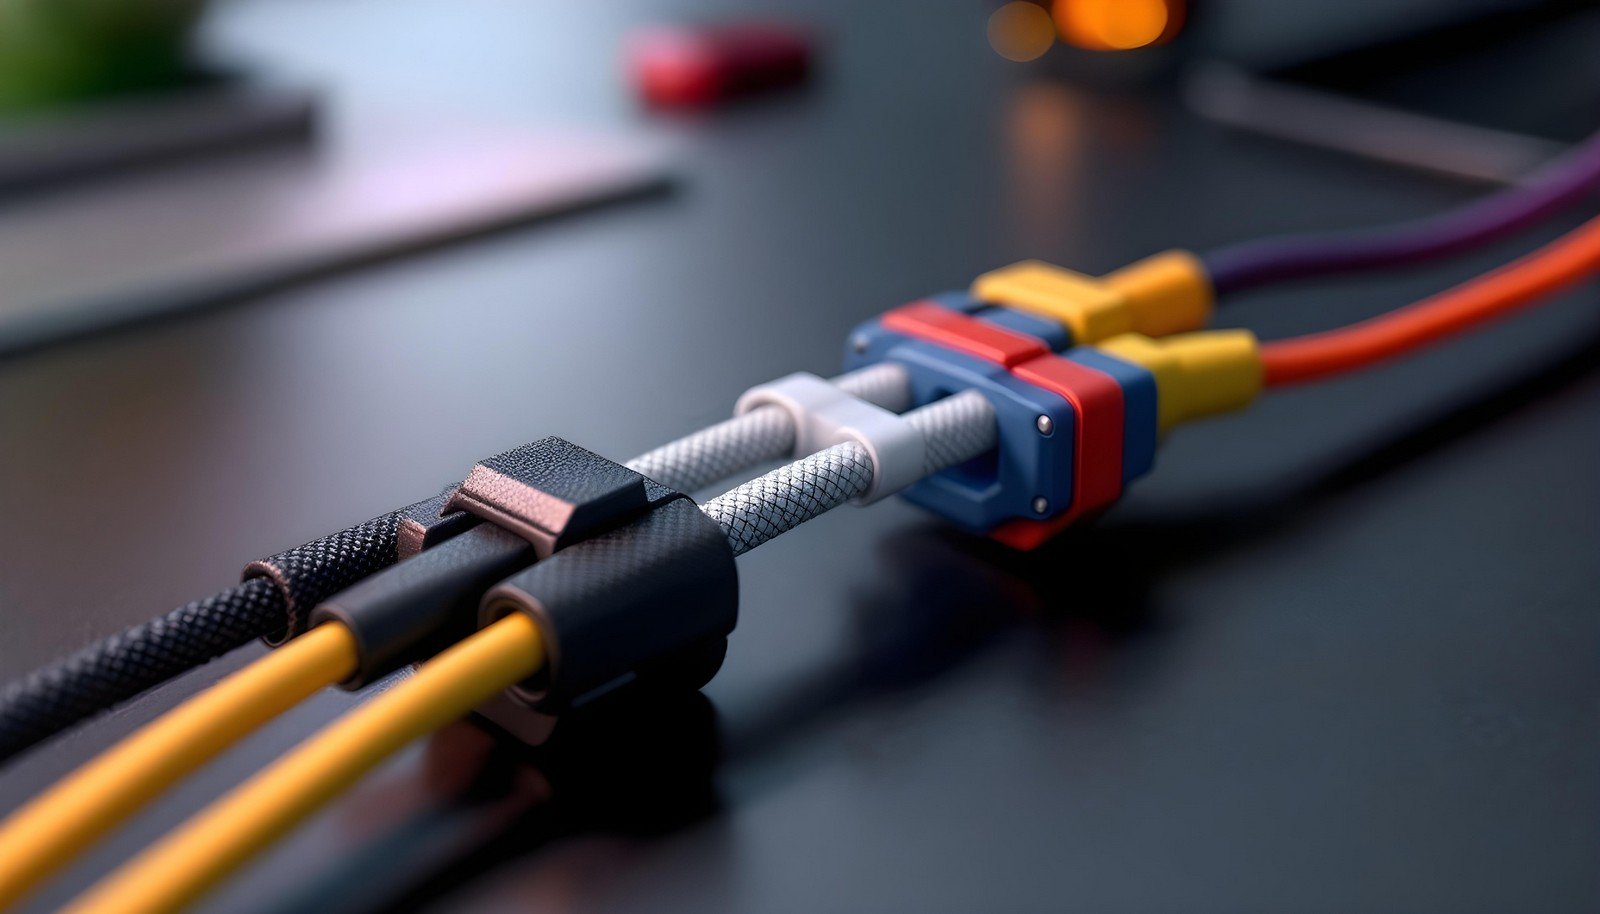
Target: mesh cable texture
x=51, y=699
x=787, y=497
x=112, y=671
x=306, y=575
x=697, y=460
x=956, y=429
x=762, y=435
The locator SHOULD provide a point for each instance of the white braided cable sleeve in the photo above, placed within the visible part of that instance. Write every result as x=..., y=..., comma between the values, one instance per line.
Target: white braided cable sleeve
x=956, y=429
x=762, y=435
x=884, y=384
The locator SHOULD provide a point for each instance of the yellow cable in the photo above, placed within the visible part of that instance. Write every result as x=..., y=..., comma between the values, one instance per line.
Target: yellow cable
x=226, y=834
x=41, y=837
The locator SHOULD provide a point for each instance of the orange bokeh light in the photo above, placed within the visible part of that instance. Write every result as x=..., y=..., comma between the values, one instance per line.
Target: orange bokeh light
x=1021, y=31
x=1117, y=25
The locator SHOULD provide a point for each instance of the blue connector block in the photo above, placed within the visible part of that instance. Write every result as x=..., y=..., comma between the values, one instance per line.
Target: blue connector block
x=1026, y=466
x=1050, y=332
x=1138, y=384
x=1138, y=407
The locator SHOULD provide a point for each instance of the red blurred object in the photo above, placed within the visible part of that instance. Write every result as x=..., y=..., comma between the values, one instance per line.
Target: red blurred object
x=703, y=66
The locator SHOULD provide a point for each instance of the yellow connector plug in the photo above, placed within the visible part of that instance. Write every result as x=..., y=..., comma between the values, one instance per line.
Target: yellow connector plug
x=1157, y=296
x=1197, y=374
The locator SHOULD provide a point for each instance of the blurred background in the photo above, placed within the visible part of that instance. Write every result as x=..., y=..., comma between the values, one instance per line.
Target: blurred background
x=166, y=154
x=269, y=267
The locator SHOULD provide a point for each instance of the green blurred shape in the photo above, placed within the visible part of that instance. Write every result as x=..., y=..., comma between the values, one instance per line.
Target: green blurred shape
x=57, y=51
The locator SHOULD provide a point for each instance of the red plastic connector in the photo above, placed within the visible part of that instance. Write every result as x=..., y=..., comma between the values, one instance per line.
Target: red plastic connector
x=1097, y=470
x=927, y=321
x=699, y=67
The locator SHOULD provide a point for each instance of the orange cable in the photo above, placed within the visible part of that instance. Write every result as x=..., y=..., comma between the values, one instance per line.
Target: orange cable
x=1520, y=283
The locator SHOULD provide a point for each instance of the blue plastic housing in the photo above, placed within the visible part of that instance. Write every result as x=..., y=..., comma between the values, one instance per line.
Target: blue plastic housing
x=982, y=493
x=1050, y=332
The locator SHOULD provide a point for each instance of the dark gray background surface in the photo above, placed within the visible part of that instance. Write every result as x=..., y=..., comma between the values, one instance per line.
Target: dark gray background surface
x=1338, y=653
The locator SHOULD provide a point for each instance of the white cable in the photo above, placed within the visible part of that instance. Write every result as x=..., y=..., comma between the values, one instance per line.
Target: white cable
x=760, y=436
x=697, y=460
x=956, y=429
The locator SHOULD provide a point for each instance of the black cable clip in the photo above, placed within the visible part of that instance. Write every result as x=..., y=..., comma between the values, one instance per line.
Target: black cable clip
x=636, y=584
x=537, y=499
x=649, y=604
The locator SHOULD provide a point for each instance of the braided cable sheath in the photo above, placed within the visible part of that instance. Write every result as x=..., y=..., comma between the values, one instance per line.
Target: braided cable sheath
x=112, y=671
x=49, y=700
x=956, y=429
x=695, y=461
x=306, y=575
x=762, y=435
x=884, y=384
x=794, y=493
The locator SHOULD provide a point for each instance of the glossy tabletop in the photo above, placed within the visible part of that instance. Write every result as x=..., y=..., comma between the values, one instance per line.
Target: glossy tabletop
x=1337, y=653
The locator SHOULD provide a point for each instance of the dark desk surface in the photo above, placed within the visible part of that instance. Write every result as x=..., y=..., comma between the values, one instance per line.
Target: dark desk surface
x=1339, y=653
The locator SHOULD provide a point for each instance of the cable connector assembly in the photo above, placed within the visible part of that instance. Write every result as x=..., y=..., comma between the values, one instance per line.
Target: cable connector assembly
x=1167, y=293
x=1031, y=467
x=643, y=586
x=1075, y=427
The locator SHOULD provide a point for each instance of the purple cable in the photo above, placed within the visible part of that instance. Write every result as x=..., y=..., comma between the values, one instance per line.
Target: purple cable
x=1560, y=184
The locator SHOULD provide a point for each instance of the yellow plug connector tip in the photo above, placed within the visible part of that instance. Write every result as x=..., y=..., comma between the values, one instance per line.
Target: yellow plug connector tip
x=1160, y=295
x=1197, y=374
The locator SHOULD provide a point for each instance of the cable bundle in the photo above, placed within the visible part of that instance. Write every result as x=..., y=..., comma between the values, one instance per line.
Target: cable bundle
x=1013, y=410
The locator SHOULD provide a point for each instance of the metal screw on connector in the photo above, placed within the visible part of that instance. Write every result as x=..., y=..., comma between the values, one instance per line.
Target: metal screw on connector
x=859, y=344
x=1045, y=427
x=1041, y=504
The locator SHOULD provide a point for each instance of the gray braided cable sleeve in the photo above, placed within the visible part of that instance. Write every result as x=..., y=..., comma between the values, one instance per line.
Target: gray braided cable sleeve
x=956, y=429
x=762, y=435
x=695, y=461
x=794, y=493
x=885, y=384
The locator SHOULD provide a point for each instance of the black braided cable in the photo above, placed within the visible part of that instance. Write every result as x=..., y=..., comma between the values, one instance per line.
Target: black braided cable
x=103, y=675
x=53, y=698
x=307, y=575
